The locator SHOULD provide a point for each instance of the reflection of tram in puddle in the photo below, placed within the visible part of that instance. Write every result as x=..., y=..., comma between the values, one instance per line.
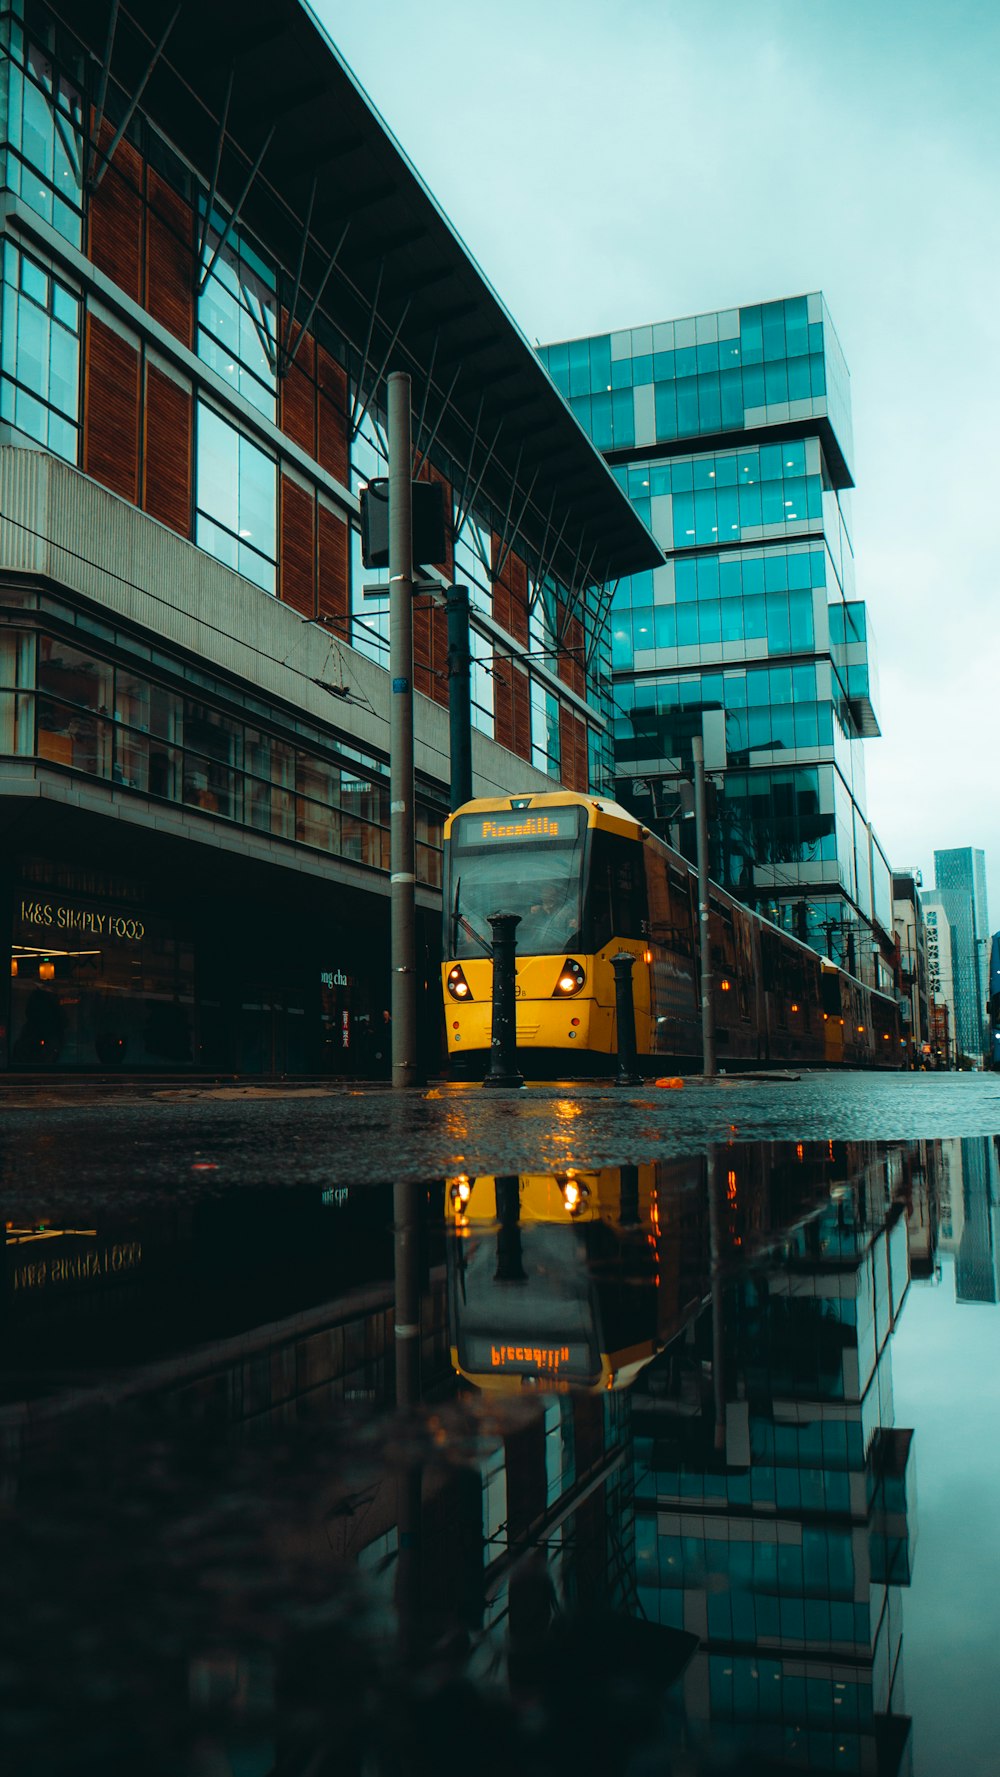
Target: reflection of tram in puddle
x=579, y=1279
x=555, y=1280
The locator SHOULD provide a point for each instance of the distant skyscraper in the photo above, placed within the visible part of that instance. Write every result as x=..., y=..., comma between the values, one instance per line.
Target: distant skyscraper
x=960, y=882
x=940, y=973
x=731, y=433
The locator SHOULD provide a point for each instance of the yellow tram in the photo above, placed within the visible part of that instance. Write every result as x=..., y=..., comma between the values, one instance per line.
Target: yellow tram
x=587, y=881
x=556, y=1280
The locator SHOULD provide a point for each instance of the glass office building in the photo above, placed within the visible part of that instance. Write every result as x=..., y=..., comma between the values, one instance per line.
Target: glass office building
x=960, y=884
x=731, y=434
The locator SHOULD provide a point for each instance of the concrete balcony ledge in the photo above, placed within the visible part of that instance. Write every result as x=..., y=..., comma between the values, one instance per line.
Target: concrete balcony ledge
x=64, y=528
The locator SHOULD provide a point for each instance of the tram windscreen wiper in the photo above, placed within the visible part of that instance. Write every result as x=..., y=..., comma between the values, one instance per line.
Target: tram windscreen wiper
x=459, y=919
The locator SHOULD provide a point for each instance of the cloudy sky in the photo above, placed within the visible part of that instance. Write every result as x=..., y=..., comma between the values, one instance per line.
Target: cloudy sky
x=612, y=162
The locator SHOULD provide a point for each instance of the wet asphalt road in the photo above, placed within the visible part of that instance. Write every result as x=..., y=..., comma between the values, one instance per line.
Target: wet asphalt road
x=137, y=1143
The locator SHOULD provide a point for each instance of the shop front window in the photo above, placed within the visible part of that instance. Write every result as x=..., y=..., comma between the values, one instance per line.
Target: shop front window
x=212, y=787
x=98, y=980
x=65, y=704
x=270, y=785
x=17, y=677
x=365, y=822
x=74, y=737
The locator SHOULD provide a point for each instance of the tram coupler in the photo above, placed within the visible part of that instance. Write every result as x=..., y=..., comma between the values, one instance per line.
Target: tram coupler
x=628, y=1061
x=503, y=1069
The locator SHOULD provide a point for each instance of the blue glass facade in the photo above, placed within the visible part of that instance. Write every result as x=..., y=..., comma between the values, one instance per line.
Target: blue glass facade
x=731, y=434
x=783, y=1540
x=960, y=879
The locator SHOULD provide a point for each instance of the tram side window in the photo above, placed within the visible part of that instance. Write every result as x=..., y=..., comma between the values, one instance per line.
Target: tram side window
x=617, y=889
x=831, y=994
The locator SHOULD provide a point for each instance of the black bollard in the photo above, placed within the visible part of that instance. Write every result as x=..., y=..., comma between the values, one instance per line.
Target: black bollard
x=503, y=1045
x=629, y=1214
x=628, y=1061
x=510, y=1263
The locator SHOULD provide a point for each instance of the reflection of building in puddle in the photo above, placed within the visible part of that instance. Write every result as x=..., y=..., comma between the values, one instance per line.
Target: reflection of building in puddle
x=784, y=1550
x=954, y=1209
x=970, y=1216
x=275, y=1311
x=572, y=1282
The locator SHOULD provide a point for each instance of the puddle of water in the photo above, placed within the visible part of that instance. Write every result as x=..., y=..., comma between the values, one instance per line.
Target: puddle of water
x=549, y=1468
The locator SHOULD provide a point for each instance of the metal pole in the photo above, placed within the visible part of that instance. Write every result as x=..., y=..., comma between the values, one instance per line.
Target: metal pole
x=406, y=1205
x=406, y=1269
x=503, y=1070
x=718, y=1296
x=704, y=933
x=402, y=947
x=459, y=710
x=628, y=1061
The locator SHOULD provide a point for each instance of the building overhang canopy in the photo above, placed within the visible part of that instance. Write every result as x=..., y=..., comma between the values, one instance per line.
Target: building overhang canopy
x=331, y=159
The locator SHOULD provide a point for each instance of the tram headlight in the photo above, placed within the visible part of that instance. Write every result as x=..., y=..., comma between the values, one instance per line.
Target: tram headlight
x=457, y=985
x=571, y=979
x=574, y=1196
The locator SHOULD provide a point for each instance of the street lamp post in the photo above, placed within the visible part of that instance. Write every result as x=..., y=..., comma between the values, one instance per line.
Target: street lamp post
x=402, y=858
x=704, y=928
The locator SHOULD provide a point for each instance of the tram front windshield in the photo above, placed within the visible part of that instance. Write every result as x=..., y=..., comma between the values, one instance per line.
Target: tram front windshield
x=524, y=863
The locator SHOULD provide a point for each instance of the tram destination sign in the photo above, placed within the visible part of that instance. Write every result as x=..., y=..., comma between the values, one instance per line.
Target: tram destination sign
x=529, y=826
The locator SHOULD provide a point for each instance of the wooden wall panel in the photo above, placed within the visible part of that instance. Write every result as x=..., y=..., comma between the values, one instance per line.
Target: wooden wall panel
x=510, y=595
x=333, y=577
x=297, y=407
x=573, y=749
x=429, y=473
x=332, y=416
x=439, y=655
x=503, y=703
x=166, y=457
x=570, y=659
x=111, y=410
x=422, y=659
x=297, y=584
x=115, y=229
x=169, y=259
x=521, y=712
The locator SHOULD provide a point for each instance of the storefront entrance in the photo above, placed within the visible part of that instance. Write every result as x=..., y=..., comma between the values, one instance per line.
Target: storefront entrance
x=98, y=980
x=169, y=972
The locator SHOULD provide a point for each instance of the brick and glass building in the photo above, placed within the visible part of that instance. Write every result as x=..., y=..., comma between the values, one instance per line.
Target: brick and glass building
x=212, y=256
x=731, y=433
x=911, y=948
